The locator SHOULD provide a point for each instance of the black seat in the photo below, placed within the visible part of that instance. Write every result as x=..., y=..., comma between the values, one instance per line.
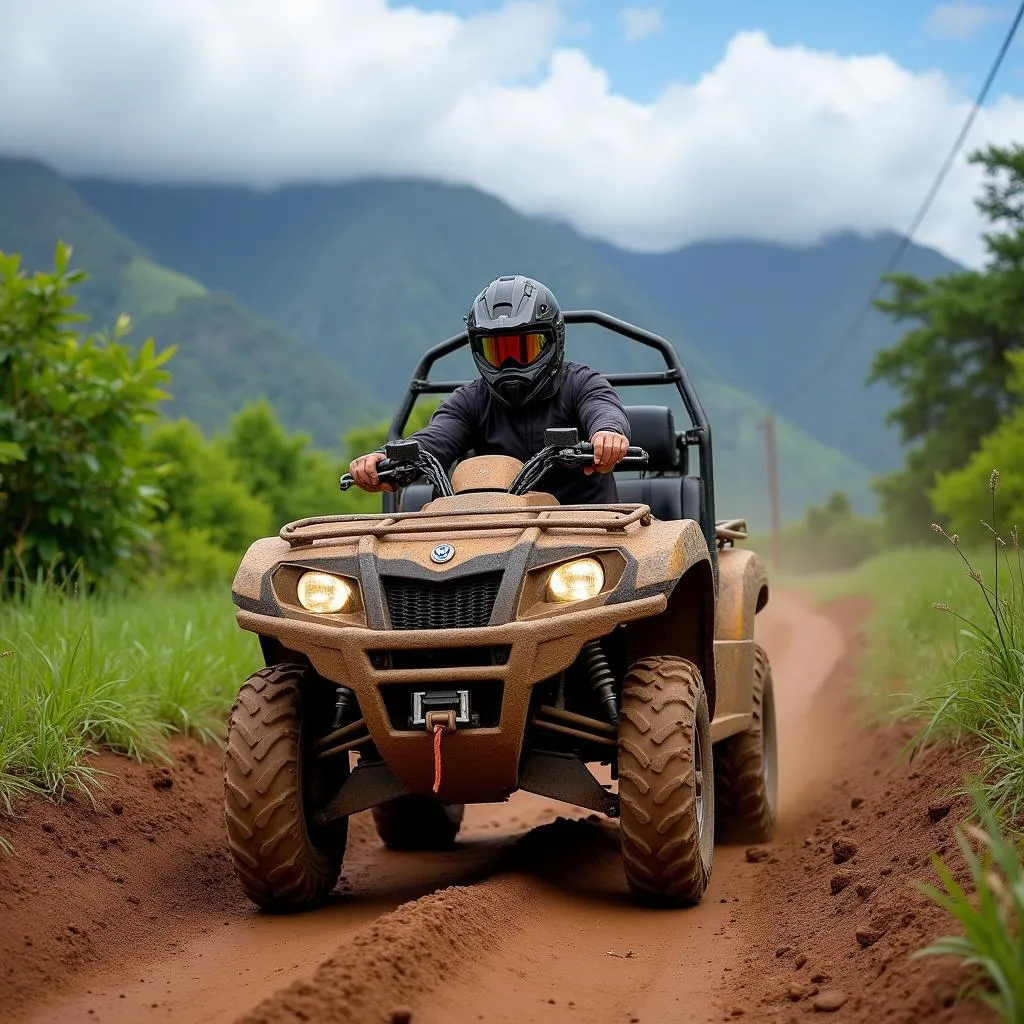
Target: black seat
x=652, y=427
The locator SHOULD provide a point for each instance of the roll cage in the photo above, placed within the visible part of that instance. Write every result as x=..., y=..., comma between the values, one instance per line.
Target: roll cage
x=698, y=435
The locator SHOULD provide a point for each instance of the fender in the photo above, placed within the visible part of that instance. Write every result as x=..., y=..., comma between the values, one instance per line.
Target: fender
x=686, y=628
x=742, y=593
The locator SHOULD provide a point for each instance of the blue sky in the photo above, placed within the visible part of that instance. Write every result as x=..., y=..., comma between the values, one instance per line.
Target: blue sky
x=694, y=34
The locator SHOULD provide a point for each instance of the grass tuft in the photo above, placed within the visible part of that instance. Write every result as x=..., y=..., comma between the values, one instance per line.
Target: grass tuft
x=84, y=672
x=992, y=943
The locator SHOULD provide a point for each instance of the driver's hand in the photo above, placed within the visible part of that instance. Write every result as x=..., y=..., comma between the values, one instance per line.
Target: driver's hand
x=609, y=450
x=364, y=472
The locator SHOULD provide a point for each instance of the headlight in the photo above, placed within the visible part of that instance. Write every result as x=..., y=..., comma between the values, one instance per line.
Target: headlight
x=576, y=581
x=321, y=592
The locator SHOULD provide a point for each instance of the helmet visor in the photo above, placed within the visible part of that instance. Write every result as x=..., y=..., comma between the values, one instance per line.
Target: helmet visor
x=521, y=349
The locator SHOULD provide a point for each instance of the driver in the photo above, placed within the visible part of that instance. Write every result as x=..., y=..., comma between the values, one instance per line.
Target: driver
x=517, y=337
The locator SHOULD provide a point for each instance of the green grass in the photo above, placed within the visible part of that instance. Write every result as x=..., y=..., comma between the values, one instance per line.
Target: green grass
x=913, y=649
x=946, y=648
x=119, y=672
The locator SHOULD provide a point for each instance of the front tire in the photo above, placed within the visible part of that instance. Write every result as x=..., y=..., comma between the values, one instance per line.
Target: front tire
x=416, y=822
x=271, y=784
x=666, y=782
x=746, y=768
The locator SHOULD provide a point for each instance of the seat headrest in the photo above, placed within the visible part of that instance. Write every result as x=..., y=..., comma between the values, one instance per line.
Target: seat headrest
x=652, y=428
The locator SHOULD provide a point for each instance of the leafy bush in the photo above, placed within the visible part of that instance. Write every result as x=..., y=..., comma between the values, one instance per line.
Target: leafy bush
x=961, y=495
x=76, y=479
x=208, y=517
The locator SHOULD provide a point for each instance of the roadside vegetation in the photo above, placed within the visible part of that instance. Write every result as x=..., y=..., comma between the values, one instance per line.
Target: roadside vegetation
x=946, y=636
x=945, y=650
x=119, y=671
x=120, y=532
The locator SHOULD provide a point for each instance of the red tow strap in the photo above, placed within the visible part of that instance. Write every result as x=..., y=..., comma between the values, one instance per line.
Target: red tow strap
x=438, y=732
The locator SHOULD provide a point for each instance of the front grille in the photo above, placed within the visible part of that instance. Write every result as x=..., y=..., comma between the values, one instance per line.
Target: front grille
x=464, y=603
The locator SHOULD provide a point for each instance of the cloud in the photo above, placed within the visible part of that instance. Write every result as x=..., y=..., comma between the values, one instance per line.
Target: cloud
x=640, y=22
x=264, y=93
x=962, y=20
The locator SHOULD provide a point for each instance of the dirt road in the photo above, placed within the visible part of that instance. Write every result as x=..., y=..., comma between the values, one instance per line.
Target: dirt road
x=130, y=913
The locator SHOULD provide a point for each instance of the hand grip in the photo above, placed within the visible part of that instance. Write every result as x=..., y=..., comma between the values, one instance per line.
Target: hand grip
x=388, y=472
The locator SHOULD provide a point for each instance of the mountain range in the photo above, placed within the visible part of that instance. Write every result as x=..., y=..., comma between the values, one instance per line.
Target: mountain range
x=323, y=297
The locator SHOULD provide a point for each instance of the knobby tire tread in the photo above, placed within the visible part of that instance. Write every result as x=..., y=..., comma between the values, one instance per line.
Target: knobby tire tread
x=745, y=812
x=661, y=846
x=277, y=862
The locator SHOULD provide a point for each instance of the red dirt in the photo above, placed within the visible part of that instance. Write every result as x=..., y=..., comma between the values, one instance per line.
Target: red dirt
x=844, y=914
x=90, y=879
x=135, y=915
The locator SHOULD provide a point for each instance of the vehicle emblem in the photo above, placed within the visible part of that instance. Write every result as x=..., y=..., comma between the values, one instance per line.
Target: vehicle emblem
x=442, y=553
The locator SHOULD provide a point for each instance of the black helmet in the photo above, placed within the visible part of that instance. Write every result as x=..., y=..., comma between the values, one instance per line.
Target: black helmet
x=517, y=336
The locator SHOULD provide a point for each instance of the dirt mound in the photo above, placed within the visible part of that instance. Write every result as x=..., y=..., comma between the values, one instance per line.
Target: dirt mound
x=842, y=915
x=90, y=878
x=389, y=966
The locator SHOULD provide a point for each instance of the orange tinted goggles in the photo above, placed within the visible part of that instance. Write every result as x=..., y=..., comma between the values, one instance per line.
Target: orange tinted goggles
x=520, y=348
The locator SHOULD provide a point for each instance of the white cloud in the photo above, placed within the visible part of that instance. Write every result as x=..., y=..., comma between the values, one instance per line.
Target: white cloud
x=640, y=22
x=780, y=143
x=962, y=20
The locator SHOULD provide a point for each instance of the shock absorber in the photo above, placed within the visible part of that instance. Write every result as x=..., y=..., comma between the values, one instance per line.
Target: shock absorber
x=601, y=678
x=344, y=700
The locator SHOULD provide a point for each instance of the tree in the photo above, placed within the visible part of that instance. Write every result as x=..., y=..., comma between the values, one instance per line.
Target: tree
x=77, y=483
x=952, y=368
x=282, y=469
x=962, y=498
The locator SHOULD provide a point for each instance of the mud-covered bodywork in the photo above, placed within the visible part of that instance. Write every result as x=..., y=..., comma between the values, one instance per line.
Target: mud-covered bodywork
x=477, y=637
x=478, y=621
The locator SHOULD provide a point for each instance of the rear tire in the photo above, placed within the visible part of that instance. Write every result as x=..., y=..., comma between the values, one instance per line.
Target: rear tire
x=666, y=782
x=746, y=775
x=416, y=822
x=271, y=784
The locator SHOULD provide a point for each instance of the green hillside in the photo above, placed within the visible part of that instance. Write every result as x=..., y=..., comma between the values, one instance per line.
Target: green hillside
x=371, y=273
x=226, y=354
x=770, y=312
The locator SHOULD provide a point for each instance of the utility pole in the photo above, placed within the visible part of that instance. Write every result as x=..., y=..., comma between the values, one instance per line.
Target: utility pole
x=773, y=487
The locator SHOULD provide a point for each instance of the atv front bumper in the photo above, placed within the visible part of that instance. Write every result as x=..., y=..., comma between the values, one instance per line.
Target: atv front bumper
x=499, y=664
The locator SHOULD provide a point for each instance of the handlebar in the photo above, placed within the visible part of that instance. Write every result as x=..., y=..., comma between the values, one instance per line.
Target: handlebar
x=564, y=451
x=582, y=454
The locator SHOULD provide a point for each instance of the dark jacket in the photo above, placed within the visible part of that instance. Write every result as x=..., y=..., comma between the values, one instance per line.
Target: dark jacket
x=472, y=419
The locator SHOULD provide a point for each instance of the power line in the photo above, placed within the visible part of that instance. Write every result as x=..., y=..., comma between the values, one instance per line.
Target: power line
x=851, y=333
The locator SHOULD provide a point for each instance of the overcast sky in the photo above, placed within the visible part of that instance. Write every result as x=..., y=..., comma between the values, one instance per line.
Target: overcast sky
x=648, y=125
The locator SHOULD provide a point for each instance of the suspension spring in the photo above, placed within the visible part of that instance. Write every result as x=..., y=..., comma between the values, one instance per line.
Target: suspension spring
x=602, y=680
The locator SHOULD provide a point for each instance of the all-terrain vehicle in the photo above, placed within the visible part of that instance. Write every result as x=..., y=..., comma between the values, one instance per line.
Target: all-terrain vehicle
x=476, y=638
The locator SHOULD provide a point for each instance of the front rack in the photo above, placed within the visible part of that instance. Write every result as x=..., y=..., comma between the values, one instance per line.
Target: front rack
x=305, y=532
